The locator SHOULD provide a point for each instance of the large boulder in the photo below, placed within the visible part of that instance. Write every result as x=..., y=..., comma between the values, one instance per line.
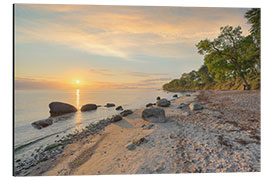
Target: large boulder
x=126, y=112
x=195, y=106
x=59, y=108
x=163, y=103
x=42, y=123
x=109, y=105
x=88, y=107
x=154, y=115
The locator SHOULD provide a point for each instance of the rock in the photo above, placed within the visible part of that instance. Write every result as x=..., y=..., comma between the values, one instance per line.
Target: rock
x=185, y=113
x=154, y=115
x=158, y=98
x=160, y=168
x=131, y=146
x=42, y=123
x=149, y=126
x=182, y=105
x=139, y=141
x=126, y=112
x=187, y=94
x=119, y=108
x=163, y=103
x=59, y=108
x=149, y=105
x=175, y=95
x=88, y=107
x=116, y=118
x=172, y=136
x=109, y=105
x=195, y=106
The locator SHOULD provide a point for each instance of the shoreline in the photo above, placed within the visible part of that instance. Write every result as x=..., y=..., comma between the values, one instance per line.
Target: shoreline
x=105, y=152
x=48, y=154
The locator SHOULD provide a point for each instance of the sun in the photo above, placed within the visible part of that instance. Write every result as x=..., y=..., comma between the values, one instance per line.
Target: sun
x=77, y=81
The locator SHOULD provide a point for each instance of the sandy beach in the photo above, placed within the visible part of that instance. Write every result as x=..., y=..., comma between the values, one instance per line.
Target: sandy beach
x=222, y=137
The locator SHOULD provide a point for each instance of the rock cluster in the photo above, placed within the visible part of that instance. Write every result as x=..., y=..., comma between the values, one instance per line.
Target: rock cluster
x=50, y=152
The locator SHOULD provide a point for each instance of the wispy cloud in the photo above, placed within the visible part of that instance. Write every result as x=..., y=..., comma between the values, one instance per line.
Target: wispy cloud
x=124, y=31
x=106, y=72
x=35, y=83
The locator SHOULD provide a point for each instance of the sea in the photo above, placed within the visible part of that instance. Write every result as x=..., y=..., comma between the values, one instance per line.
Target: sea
x=33, y=105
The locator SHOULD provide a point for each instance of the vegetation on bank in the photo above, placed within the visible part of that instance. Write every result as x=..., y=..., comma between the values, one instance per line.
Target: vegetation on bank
x=231, y=61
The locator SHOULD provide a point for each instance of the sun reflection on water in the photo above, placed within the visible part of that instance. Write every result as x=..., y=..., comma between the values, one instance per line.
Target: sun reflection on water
x=77, y=98
x=78, y=116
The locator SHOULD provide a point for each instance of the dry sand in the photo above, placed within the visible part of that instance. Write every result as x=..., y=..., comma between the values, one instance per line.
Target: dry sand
x=223, y=137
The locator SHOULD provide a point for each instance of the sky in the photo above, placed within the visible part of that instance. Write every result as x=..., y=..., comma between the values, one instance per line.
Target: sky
x=111, y=47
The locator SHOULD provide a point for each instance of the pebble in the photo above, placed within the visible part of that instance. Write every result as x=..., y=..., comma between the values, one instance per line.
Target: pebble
x=131, y=146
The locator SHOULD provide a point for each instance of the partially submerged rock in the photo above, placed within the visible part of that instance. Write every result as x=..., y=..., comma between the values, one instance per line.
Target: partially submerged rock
x=109, y=105
x=195, y=106
x=175, y=95
x=116, y=118
x=119, y=108
x=154, y=115
x=126, y=112
x=42, y=123
x=60, y=108
x=158, y=98
x=88, y=107
x=149, y=105
x=163, y=103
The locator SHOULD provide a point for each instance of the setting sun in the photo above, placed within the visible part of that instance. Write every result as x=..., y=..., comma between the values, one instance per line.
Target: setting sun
x=77, y=81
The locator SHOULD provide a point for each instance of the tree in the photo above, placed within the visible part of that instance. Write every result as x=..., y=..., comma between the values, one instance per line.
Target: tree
x=225, y=55
x=254, y=18
x=204, y=74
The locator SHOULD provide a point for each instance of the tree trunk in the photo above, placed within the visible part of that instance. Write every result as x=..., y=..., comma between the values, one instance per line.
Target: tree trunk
x=247, y=86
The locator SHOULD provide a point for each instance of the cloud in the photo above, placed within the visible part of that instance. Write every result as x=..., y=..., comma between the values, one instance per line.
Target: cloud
x=106, y=72
x=102, y=72
x=33, y=83
x=124, y=31
x=40, y=83
x=156, y=80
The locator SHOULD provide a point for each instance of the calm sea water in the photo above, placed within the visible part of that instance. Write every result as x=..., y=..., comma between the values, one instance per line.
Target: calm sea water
x=32, y=105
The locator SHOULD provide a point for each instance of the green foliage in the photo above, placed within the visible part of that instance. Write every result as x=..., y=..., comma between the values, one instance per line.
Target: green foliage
x=254, y=18
x=230, y=60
